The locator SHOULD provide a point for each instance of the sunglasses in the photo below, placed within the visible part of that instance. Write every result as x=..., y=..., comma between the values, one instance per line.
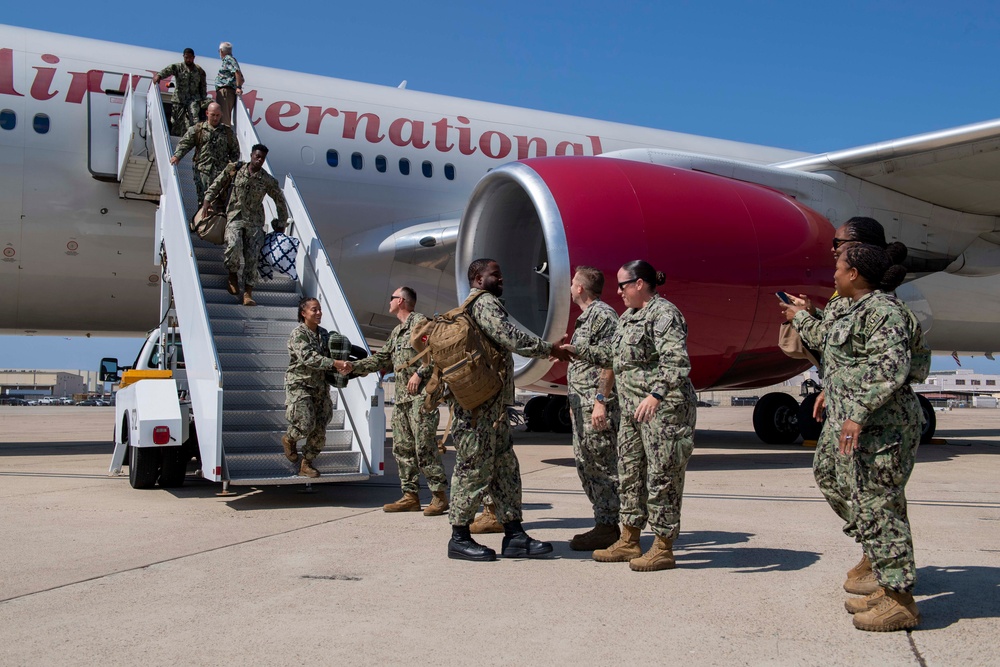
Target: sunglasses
x=622, y=285
x=839, y=242
x=393, y=297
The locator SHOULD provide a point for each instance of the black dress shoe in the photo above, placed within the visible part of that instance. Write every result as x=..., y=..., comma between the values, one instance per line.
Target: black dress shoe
x=461, y=546
x=518, y=544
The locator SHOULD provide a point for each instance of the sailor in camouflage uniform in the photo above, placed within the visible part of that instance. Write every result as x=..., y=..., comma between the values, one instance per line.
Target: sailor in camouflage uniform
x=215, y=146
x=308, y=406
x=872, y=354
x=190, y=91
x=658, y=409
x=830, y=468
x=414, y=430
x=484, y=449
x=595, y=449
x=245, y=216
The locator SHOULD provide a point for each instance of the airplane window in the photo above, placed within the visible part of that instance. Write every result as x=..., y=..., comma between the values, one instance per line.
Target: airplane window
x=40, y=123
x=8, y=119
x=404, y=166
x=380, y=163
x=427, y=168
x=449, y=172
x=357, y=161
x=332, y=158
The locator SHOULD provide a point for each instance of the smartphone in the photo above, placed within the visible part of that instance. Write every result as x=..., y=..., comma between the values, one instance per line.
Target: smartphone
x=784, y=297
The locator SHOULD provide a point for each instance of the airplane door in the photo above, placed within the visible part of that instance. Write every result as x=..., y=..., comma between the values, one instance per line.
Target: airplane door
x=104, y=110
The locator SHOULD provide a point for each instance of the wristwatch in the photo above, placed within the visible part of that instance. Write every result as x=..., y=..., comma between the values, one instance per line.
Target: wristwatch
x=600, y=398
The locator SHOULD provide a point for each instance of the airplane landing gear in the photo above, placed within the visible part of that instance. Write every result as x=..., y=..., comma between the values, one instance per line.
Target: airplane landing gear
x=776, y=419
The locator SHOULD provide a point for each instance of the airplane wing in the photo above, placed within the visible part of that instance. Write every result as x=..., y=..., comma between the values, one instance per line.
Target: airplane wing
x=958, y=168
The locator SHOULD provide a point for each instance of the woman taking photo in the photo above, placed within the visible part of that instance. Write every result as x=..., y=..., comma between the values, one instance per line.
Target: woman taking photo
x=656, y=432
x=871, y=355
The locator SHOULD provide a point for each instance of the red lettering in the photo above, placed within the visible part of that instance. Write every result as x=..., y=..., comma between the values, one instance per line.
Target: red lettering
x=315, y=118
x=465, y=137
x=82, y=83
x=7, y=73
x=441, y=128
x=372, y=122
x=567, y=145
x=276, y=111
x=416, y=133
x=486, y=144
x=41, y=86
x=524, y=144
x=595, y=144
x=250, y=100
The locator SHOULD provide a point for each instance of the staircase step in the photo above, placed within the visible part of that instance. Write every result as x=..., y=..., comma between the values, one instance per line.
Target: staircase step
x=254, y=361
x=230, y=327
x=253, y=380
x=264, y=442
x=268, y=420
x=260, y=399
x=233, y=311
x=276, y=469
x=263, y=297
x=246, y=344
x=279, y=283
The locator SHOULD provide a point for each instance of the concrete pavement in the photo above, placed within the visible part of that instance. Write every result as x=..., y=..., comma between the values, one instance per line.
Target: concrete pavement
x=94, y=572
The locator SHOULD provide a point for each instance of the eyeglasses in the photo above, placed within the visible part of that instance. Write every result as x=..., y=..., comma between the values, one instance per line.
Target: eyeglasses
x=391, y=298
x=621, y=285
x=839, y=242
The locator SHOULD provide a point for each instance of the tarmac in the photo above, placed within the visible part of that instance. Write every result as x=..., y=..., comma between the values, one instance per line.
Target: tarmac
x=93, y=572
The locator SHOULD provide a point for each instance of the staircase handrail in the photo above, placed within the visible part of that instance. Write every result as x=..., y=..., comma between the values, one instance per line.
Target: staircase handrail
x=204, y=373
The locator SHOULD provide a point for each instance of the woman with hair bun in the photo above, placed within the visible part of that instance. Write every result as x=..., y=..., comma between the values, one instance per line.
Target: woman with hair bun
x=871, y=354
x=656, y=431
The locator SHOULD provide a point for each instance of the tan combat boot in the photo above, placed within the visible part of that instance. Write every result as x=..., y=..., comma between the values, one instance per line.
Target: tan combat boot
x=248, y=296
x=856, y=605
x=864, y=566
x=864, y=581
x=306, y=469
x=895, y=611
x=659, y=557
x=600, y=536
x=291, y=451
x=410, y=502
x=439, y=504
x=233, y=284
x=623, y=550
x=486, y=522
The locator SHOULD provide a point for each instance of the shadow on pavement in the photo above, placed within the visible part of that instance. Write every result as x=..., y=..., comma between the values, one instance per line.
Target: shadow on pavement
x=957, y=593
x=56, y=448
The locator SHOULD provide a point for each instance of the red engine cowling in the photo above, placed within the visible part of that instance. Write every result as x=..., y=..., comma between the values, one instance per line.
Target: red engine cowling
x=725, y=246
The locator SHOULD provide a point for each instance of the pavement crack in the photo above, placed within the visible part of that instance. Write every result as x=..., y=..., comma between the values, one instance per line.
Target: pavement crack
x=916, y=651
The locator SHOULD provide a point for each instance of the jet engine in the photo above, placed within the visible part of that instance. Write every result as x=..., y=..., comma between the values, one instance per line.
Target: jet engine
x=726, y=247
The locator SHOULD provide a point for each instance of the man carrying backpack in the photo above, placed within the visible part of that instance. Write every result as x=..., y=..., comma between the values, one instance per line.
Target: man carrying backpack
x=484, y=448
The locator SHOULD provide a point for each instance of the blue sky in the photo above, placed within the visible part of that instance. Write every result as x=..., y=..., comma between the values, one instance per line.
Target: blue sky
x=803, y=75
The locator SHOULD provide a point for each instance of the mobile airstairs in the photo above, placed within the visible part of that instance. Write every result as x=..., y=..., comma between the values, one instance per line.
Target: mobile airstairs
x=234, y=357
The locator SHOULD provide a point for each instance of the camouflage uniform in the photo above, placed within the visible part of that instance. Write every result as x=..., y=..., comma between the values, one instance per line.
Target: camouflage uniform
x=245, y=215
x=872, y=354
x=829, y=468
x=414, y=431
x=308, y=407
x=649, y=354
x=596, y=452
x=215, y=148
x=484, y=448
x=190, y=90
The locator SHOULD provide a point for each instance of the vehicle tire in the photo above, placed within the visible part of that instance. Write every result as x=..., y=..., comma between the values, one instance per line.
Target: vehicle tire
x=173, y=466
x=776, y=419
x=809, y=428
x=534, y=414
x=143, y=462
x=124, y=438
x=930, y=420
x=557, y=415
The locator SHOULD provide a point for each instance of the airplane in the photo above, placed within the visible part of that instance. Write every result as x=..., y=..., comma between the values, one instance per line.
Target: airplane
x=407, y=187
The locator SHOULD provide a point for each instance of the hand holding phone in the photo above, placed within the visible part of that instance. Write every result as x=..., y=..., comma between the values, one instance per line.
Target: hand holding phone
x=784, y=297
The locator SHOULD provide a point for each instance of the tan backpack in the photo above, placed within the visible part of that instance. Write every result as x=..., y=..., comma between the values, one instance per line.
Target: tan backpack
x=466, y=363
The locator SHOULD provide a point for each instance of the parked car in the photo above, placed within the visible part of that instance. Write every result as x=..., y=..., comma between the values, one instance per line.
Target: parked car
x=91, y=401
x=48, y=400
x=12, y=400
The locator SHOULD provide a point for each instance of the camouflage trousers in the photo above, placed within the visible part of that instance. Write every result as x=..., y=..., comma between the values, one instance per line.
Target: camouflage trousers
x=202, y=182
x=414, y=446
x=308, y=415
x=652, y=459
x=183, y=115
x=484, y=461
x=243, y=244
x=596, y=454
x=879, y=470
x=831, y=471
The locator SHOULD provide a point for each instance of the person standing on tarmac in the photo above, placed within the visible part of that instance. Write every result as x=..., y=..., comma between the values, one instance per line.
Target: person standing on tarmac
x=484, y=448
x=595, y=450
x=215, y=146
x=414, y=430
x=190, y=91
x=872, y=354
x=829, y=467
x=658, y=411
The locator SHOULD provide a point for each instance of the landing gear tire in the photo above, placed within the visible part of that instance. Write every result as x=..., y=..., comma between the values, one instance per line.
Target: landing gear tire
x=534, y=414
x=809, y=428
x=557, y=415
x=776, y=419
x=930, y=420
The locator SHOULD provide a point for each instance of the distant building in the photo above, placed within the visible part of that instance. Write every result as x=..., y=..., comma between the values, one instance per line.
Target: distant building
x=37, y=384
x=960, y=388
